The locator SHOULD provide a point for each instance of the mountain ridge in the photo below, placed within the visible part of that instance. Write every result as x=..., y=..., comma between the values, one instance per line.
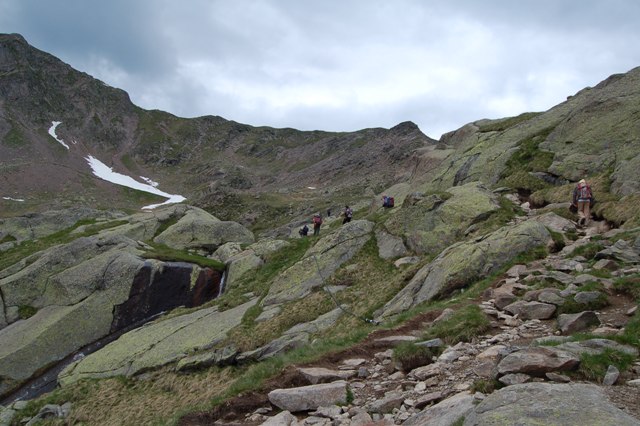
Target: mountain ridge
x=202, y=155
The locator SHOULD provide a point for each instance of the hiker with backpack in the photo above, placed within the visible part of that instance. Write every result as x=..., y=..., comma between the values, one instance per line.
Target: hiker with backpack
x=582, y=200
x=317, y=221
x=304, y=231
x=348, y=214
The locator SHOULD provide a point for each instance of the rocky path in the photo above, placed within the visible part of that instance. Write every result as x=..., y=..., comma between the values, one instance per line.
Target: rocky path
x=523, y=307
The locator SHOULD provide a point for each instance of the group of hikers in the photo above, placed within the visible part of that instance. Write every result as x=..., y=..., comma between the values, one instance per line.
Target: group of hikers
x=347, y=215
x=581, y=201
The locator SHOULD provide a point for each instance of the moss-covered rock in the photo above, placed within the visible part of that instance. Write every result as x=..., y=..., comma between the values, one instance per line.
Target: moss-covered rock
x=198, y=229
x=157, y=344
x=240, y=264
x=432, y=223
x=266, y=247
x=319, y=262
x=464, y=263
x=28, y=285
x=56, y=331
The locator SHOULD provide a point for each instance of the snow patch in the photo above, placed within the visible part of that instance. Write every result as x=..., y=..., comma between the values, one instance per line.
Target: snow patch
x=52, y=132
x=311, y=187
x=13, y=199
x=105, y=172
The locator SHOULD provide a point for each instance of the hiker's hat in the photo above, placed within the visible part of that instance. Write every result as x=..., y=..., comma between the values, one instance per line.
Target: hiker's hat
x=582, y=181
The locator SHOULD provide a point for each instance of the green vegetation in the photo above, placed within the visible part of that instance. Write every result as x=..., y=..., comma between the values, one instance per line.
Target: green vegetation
x=14, y=138
x=254, y=376
x=588, y=251
x=558, y=240
x=631, y=335
x=572, y=235
x=505, y=123
x=350, y=397
x=7, y=239
x=25, y=311
x=499, y=217
x=480, y=286
x=594, y=367
x=465, y=324
x=408, y=356
x=570, y=306
x=528, y=158
x=485, y=386
x=629, y=285
x=165, y=253
x=128, y=162
x=137, y=197
x=165, y=225
x=459, y=422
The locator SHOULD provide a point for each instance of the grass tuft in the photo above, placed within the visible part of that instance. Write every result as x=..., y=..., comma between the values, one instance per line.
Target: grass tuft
x=25, y=311
x=629, y=285
x=588, y=251
x=463, y=326
x=485, y=386
x=408, y=356
x=594, y=366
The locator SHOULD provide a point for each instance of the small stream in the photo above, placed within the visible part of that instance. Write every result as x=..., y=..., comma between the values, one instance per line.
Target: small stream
x=163, y=292
x=47, y=381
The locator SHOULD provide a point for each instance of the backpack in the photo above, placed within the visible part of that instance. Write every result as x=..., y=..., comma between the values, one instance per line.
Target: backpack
x=317, y=220
x=584, y=192
x=349, y=213
x=390, y=201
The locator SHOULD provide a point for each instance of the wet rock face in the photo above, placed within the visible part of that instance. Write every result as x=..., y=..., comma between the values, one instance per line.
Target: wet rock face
x=157, y=289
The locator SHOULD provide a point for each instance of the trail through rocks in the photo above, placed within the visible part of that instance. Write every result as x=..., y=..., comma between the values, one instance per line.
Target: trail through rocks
x=523, y=307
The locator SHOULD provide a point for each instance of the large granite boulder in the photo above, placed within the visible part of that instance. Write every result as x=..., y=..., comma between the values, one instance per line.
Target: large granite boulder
x=56, y=331
x=157, y=344
x=433, y=222
x=447, y=412
x=310, y=397
x=548, y=404
x=319, y=262
x=197, y=229
x=240, y=264
x=531, y=310
x=389, y=246
x=461, y=264
x=555, y=223
x=65, y=274
x=537, y=361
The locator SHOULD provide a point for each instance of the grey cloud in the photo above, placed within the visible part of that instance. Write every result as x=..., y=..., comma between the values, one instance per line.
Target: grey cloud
x=439, y=63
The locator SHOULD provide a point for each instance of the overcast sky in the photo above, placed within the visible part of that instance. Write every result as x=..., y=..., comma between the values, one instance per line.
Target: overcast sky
x=338, y=65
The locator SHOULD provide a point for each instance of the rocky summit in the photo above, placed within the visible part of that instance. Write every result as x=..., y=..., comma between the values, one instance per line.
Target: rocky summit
x=152, y=272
